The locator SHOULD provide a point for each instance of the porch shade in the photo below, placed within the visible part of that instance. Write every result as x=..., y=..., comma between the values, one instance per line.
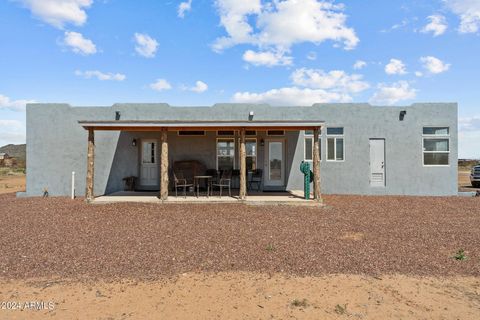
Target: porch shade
x=163, y=126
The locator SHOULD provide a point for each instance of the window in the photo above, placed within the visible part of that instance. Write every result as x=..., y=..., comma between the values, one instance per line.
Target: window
x=334, y=131
x=191, y=133
x=436, y=146
x=149, y=152
x=251, y=154
x=275, y=133
x=226, y=133
x=250, y=132
x=308, y=154
x=225, y=154
x=335, y=144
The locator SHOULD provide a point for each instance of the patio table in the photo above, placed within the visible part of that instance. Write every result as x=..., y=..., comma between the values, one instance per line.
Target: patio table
x=196, y=182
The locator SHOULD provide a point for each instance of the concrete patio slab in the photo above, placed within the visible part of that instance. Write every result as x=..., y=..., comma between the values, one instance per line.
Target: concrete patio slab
x=253, y=198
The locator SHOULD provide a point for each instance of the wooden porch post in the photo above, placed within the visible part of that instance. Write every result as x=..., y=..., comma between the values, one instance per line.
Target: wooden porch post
x=243, y=166
x=316, y=165
x=164, y=165
x=90, y=165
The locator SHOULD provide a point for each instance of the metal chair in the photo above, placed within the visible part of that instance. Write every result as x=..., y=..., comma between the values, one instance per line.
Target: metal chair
x=181, y=182
x=256, y=178
x=224, y=181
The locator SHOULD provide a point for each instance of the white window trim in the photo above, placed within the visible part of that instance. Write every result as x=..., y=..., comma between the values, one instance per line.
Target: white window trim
x=335, y=137
x=155, y=151
x=234, y=151
x=436, y=137
x=305, y=147
x=256, y=149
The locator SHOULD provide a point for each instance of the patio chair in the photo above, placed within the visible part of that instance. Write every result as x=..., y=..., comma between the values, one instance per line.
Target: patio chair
x=181, y=182
x=214, y=174
x=256, y=178
x=224, y=181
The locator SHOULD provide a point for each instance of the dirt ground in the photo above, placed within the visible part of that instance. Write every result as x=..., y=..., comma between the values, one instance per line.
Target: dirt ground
x=464, y=182
x=241, y=295
x=12, y=183
x=356, y=258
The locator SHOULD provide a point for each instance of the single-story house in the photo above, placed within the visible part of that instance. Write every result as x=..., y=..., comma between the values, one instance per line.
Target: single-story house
x=4, y=156
x=362, y=149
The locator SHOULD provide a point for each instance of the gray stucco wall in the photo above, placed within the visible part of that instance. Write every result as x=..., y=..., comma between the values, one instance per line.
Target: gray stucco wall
x=57, y=144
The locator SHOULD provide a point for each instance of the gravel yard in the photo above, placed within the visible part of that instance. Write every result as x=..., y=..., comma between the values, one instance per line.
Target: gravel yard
x=57, y=237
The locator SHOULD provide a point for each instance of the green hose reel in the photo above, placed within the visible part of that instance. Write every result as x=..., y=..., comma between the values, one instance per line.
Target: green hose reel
x=305, y=169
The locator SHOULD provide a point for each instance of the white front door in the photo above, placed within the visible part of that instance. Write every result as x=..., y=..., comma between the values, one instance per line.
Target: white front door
x=149, y=164
x=377, y=162
x=275, y=163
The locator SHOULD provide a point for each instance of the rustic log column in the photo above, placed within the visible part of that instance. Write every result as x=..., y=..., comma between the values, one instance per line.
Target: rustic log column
x=90, y=165
x=316, y=165
x=243, y=166
x=164, y=165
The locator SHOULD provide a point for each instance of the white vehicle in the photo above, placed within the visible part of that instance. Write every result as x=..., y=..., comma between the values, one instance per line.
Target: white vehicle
x=475, y=177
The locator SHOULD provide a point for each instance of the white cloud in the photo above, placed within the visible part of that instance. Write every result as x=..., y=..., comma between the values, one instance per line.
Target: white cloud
x=184, y=7
x=469, y=13
x=398, y=26
x=267, y=58
x=59, y=12
x=418, y=73
x=312, y=56
x=291, y=96
x=199, y=87
x=469, y=137
x=277, y=25
x=336, y=80
x=434, y=65
x=469, y=123
x=12, y=131
x=469, y=144
x=100, y=75
x=79, y=44
x=161, y=85
x=391, y=94
x=359, y=64
x=309, y=86
x=13, y=105
x=395, y=66
x=437, y=25
x=145, y=46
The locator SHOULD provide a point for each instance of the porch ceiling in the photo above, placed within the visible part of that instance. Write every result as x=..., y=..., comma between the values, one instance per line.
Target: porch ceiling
x=173, y=125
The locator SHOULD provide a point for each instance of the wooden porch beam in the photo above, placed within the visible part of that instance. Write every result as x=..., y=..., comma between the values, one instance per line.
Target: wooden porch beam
x=164, y=165
x=89, y=193
x=316, y=166
x=243, y=166
x=195, y=128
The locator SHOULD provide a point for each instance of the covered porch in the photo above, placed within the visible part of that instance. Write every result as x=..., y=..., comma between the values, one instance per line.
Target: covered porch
x=168, y=131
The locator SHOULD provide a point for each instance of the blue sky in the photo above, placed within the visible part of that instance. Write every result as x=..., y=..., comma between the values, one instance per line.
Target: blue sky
x=199, y=52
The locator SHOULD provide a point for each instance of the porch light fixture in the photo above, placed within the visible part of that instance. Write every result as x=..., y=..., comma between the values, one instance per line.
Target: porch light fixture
x=134, y=142
x=402, y=115
x=250, y=116
x=262, y=142
x=117, y=115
